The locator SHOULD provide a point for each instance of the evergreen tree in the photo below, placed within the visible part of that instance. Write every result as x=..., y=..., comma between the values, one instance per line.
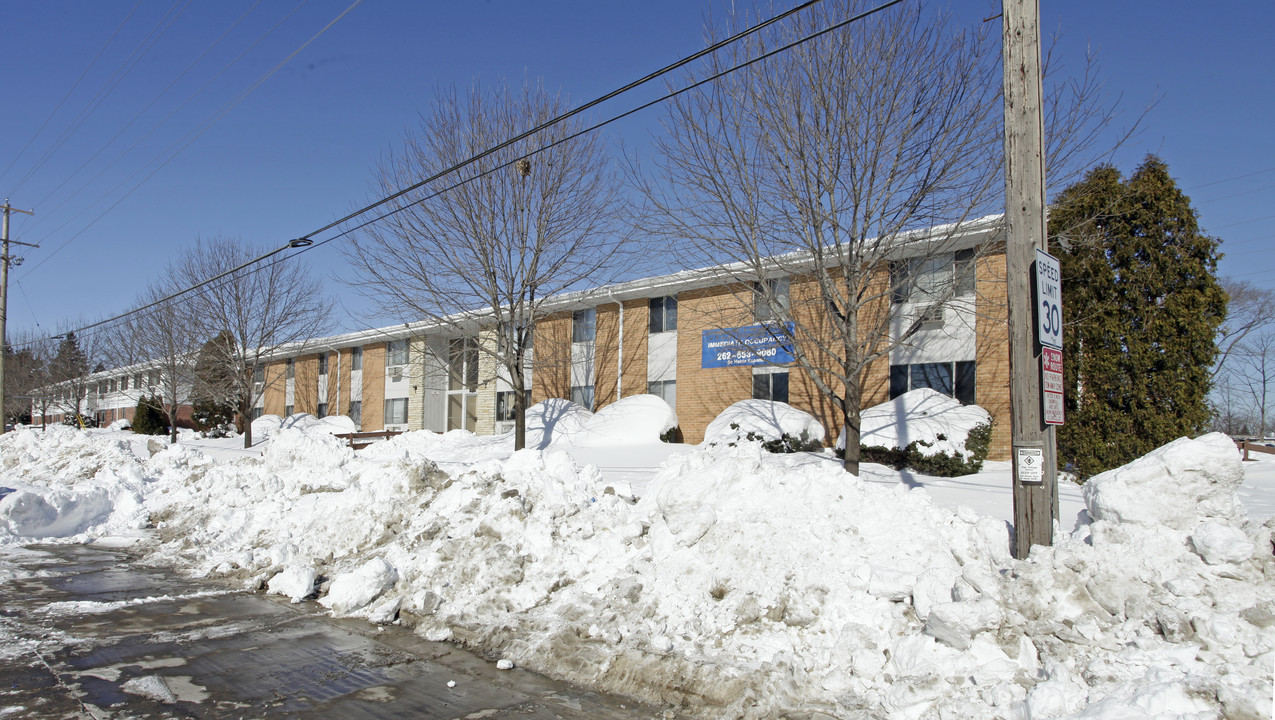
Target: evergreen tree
x=1142, y=305
x=213, y=396
x=148, y=418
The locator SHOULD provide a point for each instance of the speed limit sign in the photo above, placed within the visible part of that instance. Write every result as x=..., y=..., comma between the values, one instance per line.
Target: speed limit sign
x=1048, y=300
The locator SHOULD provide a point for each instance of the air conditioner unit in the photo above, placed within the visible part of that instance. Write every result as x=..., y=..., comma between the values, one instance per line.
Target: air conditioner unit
x=396, y=428
x=505, y=426
x=396, y=374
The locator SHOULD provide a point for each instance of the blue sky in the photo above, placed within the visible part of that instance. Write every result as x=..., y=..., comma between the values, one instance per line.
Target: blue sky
x=298, y=151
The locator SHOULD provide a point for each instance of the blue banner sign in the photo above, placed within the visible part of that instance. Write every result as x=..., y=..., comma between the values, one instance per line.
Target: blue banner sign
x=749, y=345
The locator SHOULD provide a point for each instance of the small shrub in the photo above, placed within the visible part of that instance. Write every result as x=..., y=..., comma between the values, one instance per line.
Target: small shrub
x=785, y=443
x=148, y=419
x=672, y=435
x=977, y=445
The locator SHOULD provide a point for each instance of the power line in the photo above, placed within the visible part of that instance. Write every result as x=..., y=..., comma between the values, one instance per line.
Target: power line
x=147, y=134
x=306, y=242
x=118, y=76
x=137, y=116
x=200, y=131
x=74, y=85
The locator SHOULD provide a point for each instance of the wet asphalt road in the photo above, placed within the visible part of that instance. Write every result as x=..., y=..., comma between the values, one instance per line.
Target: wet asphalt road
x=90, y=634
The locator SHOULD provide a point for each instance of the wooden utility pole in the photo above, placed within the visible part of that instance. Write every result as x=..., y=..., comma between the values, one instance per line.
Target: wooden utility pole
x=1034, y=456
x=5, y=261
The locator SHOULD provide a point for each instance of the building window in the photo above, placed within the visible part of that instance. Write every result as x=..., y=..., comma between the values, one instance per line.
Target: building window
x=924, y=279
x=666, y=390
x=155, y=377
x=259, y=374
x=770, y=300
x=112, y=385
x=356, y=359
x=323, y=363
x=955, y=379
x=287, y=410
x=582, y=395
x=505, y=410
x=964, y=270
x=663, y=314
x=137, y=380
x=356, y=412
x=292, y=369
x=584, y=325
x=256, y=413
x=771, y=386
x=462, y=383
x=397, y=353
x=124, y=383
x=322, y=410
x=396, y=411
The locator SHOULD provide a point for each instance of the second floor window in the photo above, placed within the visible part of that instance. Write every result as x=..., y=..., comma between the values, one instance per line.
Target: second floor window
x=584, y=325
x=770, y=300
x=663, y=314
x=356, y=359
x=397, y=353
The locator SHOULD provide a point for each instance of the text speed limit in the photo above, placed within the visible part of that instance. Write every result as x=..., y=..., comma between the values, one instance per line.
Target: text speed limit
x=1048, y=300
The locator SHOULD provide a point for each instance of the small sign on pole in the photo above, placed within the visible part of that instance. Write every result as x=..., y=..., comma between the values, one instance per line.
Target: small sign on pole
x=1031, y=466
x=1051, y=385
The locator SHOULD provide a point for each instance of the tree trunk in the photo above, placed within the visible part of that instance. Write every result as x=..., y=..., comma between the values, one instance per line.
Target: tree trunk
x=245, y=412
x=850, y=420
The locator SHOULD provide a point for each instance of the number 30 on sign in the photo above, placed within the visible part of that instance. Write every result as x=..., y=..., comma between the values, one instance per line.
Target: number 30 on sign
x=1048, y=300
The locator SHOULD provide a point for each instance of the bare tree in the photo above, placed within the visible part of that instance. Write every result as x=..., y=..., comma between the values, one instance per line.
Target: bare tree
x=162, y=341
x=1257, y=375
x=814, y=164
x=820, y=163
x=73, y=361
x=482, y=256
x=1250, y=308
x=264, y=308
x=26, y=377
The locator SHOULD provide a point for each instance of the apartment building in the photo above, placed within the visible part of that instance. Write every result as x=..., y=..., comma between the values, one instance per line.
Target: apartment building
x=671, y=336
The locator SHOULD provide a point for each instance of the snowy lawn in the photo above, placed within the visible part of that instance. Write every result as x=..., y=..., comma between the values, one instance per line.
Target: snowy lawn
x=721, y=581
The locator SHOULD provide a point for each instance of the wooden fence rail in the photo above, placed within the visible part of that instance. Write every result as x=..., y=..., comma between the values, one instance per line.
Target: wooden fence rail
x=1247, y=446
x=360, y=440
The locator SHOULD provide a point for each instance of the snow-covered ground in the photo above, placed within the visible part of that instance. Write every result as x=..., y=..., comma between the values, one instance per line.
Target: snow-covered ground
x=719, y=580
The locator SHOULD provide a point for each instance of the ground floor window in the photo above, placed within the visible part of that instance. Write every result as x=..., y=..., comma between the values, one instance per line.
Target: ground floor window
x=322, y=410
x=666, y=390
x=771, y=386
x=582, y=395
x=950, y=378
x=256, y=413
x=287, y=410
x=356, y=412
x=505, y=410
x=396, y=411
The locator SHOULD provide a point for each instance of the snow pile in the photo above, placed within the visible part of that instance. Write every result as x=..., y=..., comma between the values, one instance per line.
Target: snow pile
x=742, y=584
x=764, y=419
x=936, y=422
x=552, y=420
x=267, y=426
x=65, y=483
x=634, y=420
x=1162, y=603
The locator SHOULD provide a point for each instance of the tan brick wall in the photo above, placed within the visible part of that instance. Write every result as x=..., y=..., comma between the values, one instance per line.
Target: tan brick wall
x=551, y=373
x=305, y=386
x=992, y=343
x=637, y=332
x=374, y=387
x=703, y=394
x=416, y=386
x=605, y=355
x=275, y=388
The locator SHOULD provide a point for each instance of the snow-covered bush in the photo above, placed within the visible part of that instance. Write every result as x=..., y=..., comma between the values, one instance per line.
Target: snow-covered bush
x=926, y=431
x=778, y=427
x=634, y=420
